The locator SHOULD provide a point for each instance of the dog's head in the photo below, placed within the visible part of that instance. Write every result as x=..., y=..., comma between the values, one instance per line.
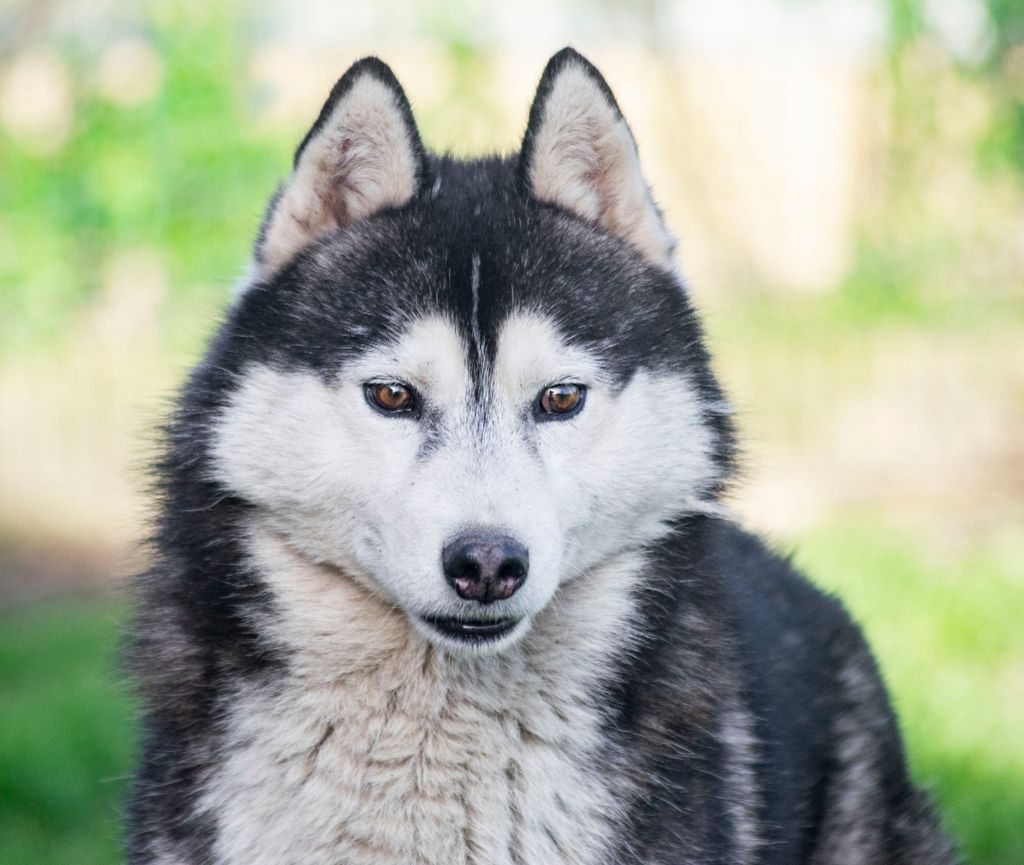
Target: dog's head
x=463, y=384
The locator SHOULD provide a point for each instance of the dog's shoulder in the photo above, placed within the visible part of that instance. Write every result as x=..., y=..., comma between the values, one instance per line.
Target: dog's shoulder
x=774, y=602
x=805, y=663
x=830, y=757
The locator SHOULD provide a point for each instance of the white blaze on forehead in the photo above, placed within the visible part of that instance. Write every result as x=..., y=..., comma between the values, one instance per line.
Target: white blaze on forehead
x=430, y=355
x=531, y=350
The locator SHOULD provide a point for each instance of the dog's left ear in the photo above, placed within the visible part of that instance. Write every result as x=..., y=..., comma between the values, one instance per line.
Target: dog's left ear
x=363, y=155
x=579, y=154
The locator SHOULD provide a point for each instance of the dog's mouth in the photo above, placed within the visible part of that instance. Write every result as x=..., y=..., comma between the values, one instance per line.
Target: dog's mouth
x=470, y=631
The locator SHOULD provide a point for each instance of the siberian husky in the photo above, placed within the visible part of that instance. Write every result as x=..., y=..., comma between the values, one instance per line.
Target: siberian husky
x=441, y=571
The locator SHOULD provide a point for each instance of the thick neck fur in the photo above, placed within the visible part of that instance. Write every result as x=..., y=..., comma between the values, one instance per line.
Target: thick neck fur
x=375, y=747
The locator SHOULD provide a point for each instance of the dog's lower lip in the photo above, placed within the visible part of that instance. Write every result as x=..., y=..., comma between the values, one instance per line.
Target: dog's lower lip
x=468, y=630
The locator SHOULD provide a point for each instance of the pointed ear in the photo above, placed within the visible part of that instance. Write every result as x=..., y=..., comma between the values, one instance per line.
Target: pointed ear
x=579, y=154
x=362, y=155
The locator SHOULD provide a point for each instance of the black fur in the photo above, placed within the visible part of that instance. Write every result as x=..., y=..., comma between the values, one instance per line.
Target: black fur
x=727, y=623
x=730, y=618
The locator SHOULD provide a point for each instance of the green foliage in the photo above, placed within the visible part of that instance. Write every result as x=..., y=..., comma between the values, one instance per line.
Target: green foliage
x=65, y=736
x=1001, y=147
x=136, y=177
x=1004, y=143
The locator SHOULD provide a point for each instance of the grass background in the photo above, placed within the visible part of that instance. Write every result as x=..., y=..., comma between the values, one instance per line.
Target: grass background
x=882, y=410
x=66, y=735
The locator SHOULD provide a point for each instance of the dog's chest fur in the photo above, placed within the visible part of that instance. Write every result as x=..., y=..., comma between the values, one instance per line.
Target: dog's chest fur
x=382, y=769
x=402, y=754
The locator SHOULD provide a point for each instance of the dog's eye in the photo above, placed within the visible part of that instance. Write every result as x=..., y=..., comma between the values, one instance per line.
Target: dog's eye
x=559, y=401
x=391, y=396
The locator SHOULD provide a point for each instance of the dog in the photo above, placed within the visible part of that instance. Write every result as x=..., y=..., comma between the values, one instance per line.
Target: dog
x=442, y=572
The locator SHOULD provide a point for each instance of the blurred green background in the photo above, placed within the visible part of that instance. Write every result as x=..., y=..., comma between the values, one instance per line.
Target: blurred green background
x=846, y=176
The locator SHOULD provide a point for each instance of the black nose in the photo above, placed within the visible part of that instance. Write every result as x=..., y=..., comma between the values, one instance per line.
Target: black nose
x=485, y=566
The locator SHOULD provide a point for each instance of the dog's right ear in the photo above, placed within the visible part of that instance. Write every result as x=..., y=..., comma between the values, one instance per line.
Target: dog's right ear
x=579, y=154
x=362, y=155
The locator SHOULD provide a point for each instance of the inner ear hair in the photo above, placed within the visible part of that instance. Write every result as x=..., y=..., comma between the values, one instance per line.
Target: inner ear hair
x=361, y=156
x=579, y=154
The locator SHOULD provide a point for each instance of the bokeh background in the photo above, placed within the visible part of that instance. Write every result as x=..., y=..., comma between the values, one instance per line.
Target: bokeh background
x=846, y=177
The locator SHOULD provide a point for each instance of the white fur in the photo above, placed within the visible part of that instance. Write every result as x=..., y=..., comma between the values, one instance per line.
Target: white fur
x=361, y=161
x=349, y=486
x=382, y=742
x=377, y=748
x=737, y=735
x=628, y=461
x=585, y=160
x=855, y=840
x=160, y=855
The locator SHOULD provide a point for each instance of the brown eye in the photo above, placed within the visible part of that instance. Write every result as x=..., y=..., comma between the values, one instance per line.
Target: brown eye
x=391, y=396
x=561, y=400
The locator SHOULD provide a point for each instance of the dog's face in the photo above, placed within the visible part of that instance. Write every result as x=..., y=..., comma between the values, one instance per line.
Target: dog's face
x=463, y=385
